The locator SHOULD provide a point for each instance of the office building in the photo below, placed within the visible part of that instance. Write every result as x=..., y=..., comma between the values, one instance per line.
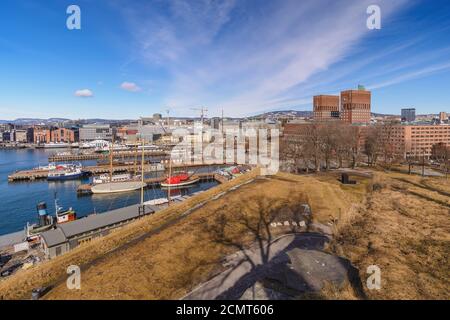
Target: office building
x=91, y=132
x=416, y=140
x=408, y=115
x=356, y=106
x=326, y=107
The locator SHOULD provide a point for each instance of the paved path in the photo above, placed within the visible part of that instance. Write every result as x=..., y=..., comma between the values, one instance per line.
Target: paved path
x=12, y=238
x=242, y=273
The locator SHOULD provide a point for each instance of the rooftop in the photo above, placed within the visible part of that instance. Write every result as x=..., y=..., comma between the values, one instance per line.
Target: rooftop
x=92, y=222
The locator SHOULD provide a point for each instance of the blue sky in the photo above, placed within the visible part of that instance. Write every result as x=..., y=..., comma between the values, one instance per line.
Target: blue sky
x=141, y=57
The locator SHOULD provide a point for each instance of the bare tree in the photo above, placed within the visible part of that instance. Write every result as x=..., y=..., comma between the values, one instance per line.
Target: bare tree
x=372, y=144
x=441, y=153
x=354, y=139
x=328, y=143
x=388, y=147
x=242, y=227
x=313, y=145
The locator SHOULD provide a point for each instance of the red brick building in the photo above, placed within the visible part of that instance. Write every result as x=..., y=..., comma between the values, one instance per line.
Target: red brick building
x=355, y=106
x=62, y=135
x=41, y=135
x=326, y=107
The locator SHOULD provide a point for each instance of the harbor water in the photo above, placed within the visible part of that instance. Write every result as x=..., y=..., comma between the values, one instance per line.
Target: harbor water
x=18, y=199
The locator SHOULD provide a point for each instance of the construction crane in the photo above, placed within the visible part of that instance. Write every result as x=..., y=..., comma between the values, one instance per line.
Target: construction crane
x=203, y=112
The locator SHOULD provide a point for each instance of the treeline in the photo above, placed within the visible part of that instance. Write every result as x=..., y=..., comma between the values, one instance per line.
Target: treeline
x=322, y=146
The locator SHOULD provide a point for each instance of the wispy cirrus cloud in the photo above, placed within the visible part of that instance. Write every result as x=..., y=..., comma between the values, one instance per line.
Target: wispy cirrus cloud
x=247, y=56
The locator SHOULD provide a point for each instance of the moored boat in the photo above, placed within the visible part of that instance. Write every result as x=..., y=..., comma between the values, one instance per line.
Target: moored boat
x=179, y=180
x=53, y=145
x=63, y=216
x=116, y=187
x=65, y=172
x=45, y=222
x=105, y=178
x=118, y=183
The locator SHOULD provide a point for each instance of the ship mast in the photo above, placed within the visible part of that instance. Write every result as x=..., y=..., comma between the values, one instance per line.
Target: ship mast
x=142, y=173
x=170, y=174
x=111, y=148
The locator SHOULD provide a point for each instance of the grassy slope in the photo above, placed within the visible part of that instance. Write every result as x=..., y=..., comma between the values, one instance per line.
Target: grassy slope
x=20, y=285
x=405, y=230
x=171, y=263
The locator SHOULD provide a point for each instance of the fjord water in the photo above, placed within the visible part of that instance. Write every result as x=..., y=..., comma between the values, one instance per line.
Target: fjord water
x=18, y=200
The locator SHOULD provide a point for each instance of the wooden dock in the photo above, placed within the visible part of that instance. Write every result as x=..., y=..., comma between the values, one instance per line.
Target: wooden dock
x=90, y=170
x=35, y=174
x=28, y=175
x=102, y=156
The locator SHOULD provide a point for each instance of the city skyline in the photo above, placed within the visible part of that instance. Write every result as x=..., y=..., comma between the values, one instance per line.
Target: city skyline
x=244, y=57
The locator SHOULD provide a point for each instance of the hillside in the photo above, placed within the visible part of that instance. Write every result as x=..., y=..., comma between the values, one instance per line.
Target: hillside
x=396, y=221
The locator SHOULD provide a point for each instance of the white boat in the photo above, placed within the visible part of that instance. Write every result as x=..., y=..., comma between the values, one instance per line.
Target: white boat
x=116, y=187
x=65, y=172
x=52, y=145
x=104, y=178
x=120, y=183
x=50, y=166
x=115, y=148
x=94, y=144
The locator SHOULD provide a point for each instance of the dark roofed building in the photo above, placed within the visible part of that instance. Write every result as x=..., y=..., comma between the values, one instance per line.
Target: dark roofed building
x=67, y=236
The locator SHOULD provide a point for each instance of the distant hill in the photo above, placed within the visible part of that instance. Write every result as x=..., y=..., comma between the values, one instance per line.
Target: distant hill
x=286, y=113
x=50, y=121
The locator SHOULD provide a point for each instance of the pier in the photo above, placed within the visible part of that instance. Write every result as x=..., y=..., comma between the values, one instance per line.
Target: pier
x=34, y=174
x=102, y=156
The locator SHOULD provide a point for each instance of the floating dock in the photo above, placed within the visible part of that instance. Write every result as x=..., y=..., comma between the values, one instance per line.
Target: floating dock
x=34, y=174
x=91, y=170
x=101, y=156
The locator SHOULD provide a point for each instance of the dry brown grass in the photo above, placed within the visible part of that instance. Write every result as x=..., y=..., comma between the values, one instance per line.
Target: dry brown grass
x=403, y=227
x=405, y=230
x=169, y=264
x=20, y=285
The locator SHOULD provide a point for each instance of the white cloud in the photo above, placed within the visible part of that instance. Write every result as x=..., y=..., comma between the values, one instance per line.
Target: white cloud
x=130, y=86
x=84, y=93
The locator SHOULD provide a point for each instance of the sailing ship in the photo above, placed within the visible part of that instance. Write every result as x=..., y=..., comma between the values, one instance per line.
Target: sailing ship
x=117, y=183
